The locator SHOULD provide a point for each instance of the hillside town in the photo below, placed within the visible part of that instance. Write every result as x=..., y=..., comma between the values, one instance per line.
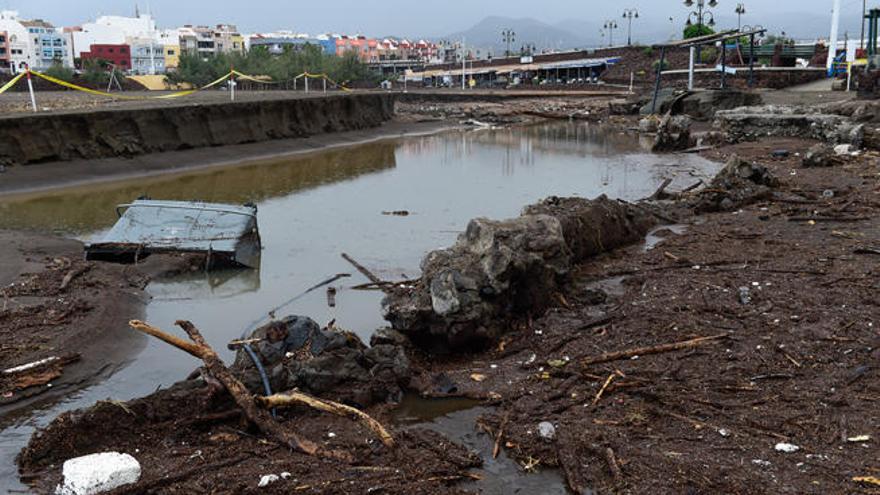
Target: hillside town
x=136, y=45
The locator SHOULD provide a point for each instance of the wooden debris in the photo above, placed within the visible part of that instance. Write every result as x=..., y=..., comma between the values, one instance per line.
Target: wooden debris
x=295, y=398
x=613, y=465
x=658, y=349
x=240, y=394
x=605, y=386
x=660, y=193
x=364, y=271
x=72, y=275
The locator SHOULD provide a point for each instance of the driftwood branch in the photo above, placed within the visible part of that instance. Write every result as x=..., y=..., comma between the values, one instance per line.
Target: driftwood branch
x=296, y=398
x=181, y=344
x=243, y=398
x=240, y=394
x=644, y=351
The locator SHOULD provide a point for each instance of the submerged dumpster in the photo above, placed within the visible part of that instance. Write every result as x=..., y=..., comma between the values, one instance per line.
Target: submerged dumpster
x=225, y=234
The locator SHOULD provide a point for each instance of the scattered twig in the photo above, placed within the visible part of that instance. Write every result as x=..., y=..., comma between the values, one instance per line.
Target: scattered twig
x=496, y=449
x=643, y=351
x=613, y=465
x=660, y=193
x=151, y=485
x=364, y=271
x=72, y=274
x=605, y=386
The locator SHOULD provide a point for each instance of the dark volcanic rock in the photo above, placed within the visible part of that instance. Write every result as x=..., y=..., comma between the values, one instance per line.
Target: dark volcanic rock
x=297, y=353
x=499, y=271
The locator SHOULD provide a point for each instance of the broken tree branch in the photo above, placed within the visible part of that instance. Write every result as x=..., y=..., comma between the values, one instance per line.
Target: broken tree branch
x=644, y=351
x=181, y=344
x=361, y=268
x=243, y=398
x=296, y=398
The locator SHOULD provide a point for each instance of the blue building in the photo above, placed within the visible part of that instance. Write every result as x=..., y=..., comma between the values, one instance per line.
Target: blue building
x=49, y=46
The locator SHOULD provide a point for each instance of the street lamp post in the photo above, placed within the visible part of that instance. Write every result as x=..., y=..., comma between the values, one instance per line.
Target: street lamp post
x=508, y=36
x=740, y=10
x=700, y=16
x=630, y=14
x=702, y=12
x=610, y=26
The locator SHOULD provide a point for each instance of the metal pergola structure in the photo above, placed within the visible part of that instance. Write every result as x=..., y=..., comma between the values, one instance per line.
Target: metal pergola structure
x=710, y=39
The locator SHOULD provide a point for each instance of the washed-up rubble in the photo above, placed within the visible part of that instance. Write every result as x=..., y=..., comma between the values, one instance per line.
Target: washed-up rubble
x=751, y=123
x=673, y=133
x=739, y=183
x=500, y=270
x=297, y=353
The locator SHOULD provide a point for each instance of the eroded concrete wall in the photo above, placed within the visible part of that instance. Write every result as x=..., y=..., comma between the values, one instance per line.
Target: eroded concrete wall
x=129, y=132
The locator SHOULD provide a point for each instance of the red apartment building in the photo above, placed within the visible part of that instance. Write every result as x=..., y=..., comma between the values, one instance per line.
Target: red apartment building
x=118, y=55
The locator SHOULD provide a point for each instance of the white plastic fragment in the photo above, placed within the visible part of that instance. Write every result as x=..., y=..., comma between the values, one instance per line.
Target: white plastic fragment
x=859, y=439
x=268, y=480
x=788, y=448
x=546, y=430
x=98, y=473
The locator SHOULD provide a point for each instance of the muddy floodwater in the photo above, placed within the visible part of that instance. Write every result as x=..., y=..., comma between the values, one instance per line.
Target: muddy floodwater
x=314, y=207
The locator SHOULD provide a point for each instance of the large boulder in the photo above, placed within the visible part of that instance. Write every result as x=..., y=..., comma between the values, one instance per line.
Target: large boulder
x=297, y=353
x=499, y=271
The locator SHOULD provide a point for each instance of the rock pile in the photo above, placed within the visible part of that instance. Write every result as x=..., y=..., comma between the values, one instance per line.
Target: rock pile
x=501, y=270
x=297, y=353
x=739, y=183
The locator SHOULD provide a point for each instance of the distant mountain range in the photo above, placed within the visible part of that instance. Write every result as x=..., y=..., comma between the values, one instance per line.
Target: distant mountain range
x=486, y=37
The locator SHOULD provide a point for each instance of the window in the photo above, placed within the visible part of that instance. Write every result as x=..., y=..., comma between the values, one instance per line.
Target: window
x=171, y=53
x=56, y=42
x=2, y=51
x=110, y=50
x=47, y=53
x=123, y=50
x=59, y=54
x=2, y=39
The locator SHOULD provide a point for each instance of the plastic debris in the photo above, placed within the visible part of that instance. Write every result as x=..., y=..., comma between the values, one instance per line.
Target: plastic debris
x=477, y=377
x=268, y=480
x=871, y=480
x=546, y=430
x=98, y=473
x=859, y=439
x=788, y=448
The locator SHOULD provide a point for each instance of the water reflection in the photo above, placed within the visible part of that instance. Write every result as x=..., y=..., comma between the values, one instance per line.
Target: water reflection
x=89, y=209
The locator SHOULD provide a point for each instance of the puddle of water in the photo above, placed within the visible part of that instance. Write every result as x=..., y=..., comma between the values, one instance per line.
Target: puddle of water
x=501, y=476
x=314, y=207
x=653, y=239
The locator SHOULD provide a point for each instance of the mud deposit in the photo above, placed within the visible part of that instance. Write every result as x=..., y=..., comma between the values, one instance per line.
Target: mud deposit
x=128, y=132
x=311, y=209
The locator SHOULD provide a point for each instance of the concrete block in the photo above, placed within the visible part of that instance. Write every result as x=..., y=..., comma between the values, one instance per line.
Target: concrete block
x=98, y=473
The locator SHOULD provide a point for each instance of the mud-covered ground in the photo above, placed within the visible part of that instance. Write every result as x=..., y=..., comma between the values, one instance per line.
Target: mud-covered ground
x=791, y=305
x=781, y=399
x=55, y=305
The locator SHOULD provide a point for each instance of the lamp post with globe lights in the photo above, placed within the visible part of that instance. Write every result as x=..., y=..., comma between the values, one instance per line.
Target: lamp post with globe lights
x=610, y=26
x=630, y=14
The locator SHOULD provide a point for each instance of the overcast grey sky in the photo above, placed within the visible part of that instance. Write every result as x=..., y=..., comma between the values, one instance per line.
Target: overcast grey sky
x=401, y=17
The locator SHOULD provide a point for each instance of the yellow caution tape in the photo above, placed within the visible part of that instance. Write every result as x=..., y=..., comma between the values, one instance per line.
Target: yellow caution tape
x=11, y=83
x=178, y=94
x=871, y=480
x=126, y=97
